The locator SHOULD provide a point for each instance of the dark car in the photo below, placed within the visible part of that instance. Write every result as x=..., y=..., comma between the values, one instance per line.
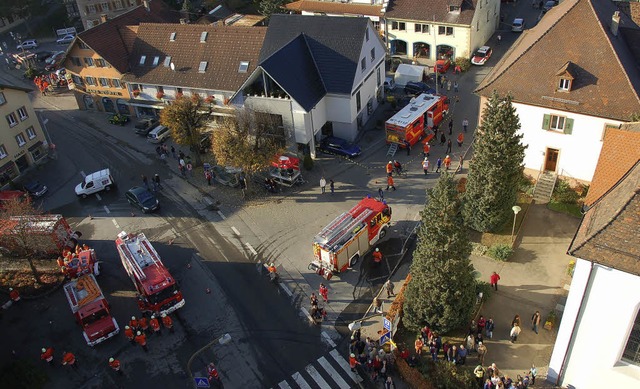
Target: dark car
x=339, y=146
x=415, y=88
x=35, y=189
x=143, y=199
x=144, y=126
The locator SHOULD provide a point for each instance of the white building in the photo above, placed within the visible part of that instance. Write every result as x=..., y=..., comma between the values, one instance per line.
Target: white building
x=372, y=9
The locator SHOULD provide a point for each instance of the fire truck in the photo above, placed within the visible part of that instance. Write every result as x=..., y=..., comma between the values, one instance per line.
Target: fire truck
x=416, y=119
x=340, y=244
x=91, y=309
x=157, y=290
x=46, y=234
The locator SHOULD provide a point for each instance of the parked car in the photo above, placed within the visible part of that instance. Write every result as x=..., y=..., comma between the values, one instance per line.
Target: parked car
x=415, y=88
x=389, y=84
x=548, y=5
x=517, y=25
x=143, y=199
x=158, y=134
x=56, y=55
x=481, y=55
x=339, y=146
x=27, y=44
x=35, y=189
x=144, y=126
x=44, y=55
x=443, y=65
x=65, y=40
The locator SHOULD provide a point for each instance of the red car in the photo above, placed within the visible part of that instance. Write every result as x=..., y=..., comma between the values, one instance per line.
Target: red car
x=442, y=65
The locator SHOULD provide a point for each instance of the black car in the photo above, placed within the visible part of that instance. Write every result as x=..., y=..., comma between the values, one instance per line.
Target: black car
x=416, y=88
x=339, y=146
x=36, y=189
x=143, y=199
x=144, y=126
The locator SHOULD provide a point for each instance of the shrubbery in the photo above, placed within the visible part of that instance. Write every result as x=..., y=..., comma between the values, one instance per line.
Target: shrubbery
x=500, y=252
x=464, y=63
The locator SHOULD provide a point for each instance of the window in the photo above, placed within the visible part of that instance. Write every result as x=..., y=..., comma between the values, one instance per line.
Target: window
x=103, y=82
x=2, y=99
x=487, y=16
x=91, y=23
x=167, y=61
x=203, y=37
x=373, y=54
x=443, y=30
x=77, y=80
x=358, y=102
x=557, y=123
x=422, y=28
x=11, y=119
x=401, y=26
x=143, y=58
x=118, y=4
x=366, y=34
x=564, y=84
x=244, y=66
x=478, y=25
x=631, y=351
x=22, y=113
x=20, y=139
x=76, y=61
x=3, y=152
x=156, y=60
x=454, y=8
x=203, y=67
x=31, y=133
x=363, y=64
x=378, y=77
x=101, y=63
x=116, y=83
x=88, y=61
x=90, y=80
x=91, y=8
x=172, y=37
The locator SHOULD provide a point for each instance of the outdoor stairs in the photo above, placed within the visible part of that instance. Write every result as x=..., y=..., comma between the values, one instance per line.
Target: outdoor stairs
x=544, y=187
x=393, y=147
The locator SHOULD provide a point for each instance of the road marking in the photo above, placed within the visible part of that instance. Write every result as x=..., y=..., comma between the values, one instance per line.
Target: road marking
x=106, y=209
x=333, y=373
x=345, y=365
x=215, y=245
x=306, y=313
x=300, y=381
x=250, y=247
x=284, y=385
x=222, y=215
x=115, y=223
x=235, y=230
x=286, y=289
x=82, y=174
x=316, y=376
x=328, y=339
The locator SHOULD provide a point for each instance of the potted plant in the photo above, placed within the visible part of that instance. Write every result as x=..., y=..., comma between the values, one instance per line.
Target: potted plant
x=159, y=95
x=136, y=92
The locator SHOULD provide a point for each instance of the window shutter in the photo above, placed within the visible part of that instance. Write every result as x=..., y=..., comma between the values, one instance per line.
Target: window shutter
x=546, y=122
x=568, y=126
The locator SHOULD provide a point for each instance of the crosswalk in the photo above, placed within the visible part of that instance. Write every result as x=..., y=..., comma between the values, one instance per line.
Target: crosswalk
x=331, y=371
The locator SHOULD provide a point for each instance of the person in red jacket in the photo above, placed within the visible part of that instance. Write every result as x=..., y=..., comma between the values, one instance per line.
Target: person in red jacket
x=141, y=339
x=115, y=365
x=133, y=323
x=144, y=324
x=168, y=323
x=377, y=256
x=155, y=325
x=69, y=359
x=128, y=332
x=47, y=355
x=324, y=292
x=493, y=280
x=15, y=296
x=389, y=168
x=353, y=362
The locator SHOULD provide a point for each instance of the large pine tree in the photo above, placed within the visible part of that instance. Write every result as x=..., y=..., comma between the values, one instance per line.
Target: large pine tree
x=441, y=292
x=496, y=168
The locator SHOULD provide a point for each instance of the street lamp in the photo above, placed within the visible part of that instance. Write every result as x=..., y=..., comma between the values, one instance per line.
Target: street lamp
x=515, y=210
x=223, y=339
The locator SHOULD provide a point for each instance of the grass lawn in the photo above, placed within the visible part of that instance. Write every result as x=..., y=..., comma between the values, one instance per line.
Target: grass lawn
x=503, y=234
x=569, y=209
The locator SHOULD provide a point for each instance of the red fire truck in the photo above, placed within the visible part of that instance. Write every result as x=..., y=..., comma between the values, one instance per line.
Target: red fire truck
x=46, y=234
x=91, y=309
x=416, y=119
x=157, y=290
x=340, y=244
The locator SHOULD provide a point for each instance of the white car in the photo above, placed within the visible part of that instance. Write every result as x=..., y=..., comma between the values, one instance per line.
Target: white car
x=28, y=44
x=65, y=39
x=481, y=55
x=517, y=25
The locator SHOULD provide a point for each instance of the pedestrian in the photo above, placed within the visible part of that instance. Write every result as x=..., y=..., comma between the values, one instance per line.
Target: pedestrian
x=471, y=343
x=324, y=292
x=181, y=154
x=390, y=183
x=14, y=295
x=435, y=132
x=314, y=300
x=141, y=339
x=167, y=322
x=389, y=287
x=353, y=362
x=433, y=351
x=380, y=194
x=426, y=149
x=115, y=365
x=133, y=323
x=425, y=166
x=499, y=39
x=438, y=165
x=482, y=322
x=182, y=170
x=460, y=163
x=377, y=304
x=165, y=149
x=69, y=359
x=145, y=181
x=159, y=151
x=389, y=168
x=535, y=321
x=447, y=162
x=448, y=146
x=377, y=256
x=155, y=325
x=534, y=373
x=332, y=186
x=493, y=280
x=482, y=352
x=407, y=145
x=489, y=328
x=388, y=384
x=465, y=124
x=128, y=332
x=443, y=139
x=182, y=162
x=462, y=355
x=418, y=344
x=479, y=373
x=451, y=126
x=156, y=181
x=323, y=185
x=449, y=85
x=460, y=139
x=455, y=86
x=208, y=177
x=516, y=320
x=173, y=152
x=47, y=355
x=189, y=169
x=143, y=324
x=515, y=331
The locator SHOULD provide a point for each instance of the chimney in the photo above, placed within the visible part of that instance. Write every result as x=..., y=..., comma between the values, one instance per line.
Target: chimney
x=103, y=18
x=615, y=23
x=146, y=5
x=184, y=21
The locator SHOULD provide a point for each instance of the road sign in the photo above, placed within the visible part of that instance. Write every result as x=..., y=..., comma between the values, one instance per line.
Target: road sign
x=385, y=338
x=387, y=324
x=201, y=382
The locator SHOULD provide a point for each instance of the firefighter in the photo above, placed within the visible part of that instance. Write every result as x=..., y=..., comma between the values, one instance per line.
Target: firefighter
x=324, y=292
x=69, y=359
x=389, y=168
x=141, y=339
x=143, y=324
x=155, y=325
x=353, y=362
x=15, y=296
x=133, y=323
x=390, y=183
x=213, y=372
x=60, y=262
x=115, y=365
x=426, y=149
x=47, y=355
x=377, y=256
x=128, y=332
x=168, y=323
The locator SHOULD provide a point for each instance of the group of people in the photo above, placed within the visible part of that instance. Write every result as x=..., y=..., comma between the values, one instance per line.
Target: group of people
x=373, y=359
x=73, y=263
x=137, y=329
x=69, y=359
x=155, y=181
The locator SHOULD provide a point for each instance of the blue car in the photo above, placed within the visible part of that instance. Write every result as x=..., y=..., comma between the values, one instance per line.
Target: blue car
x=339, y=146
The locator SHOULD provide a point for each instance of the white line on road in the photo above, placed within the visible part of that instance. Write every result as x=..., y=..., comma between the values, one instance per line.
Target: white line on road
x=284, y=385
x=333, y=373
x=98, y=196
x=328, y=339
x=106, y=209
x=235, y=230
x=345, y=365
x=286, y=289
x=316, y=376
x=115, y=223
x=221, y=215
x=215, y=245
x=306, y=313
x=253, y=251
x=300, y=381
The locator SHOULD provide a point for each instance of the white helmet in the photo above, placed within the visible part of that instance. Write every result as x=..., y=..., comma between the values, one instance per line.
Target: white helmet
x=390, y=162
x=377, y=249
x=153, y=316
x=44, y=350
x=138, y=333
x=10, y=289
x=133, y=318
x=164, y=315
x=126, y=327
x=111, y=359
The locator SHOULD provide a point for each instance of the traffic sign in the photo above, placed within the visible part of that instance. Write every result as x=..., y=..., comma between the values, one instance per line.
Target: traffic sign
x=385, y=338
x=201, y=382
x=387, y=324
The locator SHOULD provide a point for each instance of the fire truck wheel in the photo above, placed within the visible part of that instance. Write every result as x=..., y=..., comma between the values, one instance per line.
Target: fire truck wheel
x=354, y=260
x=107, y=188
x=383, y=233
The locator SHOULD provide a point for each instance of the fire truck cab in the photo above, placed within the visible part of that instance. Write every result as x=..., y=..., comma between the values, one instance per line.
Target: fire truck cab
x=157, y=290
x=342, y=242
x=415, y=120
x=91, y=309
x=49, y=234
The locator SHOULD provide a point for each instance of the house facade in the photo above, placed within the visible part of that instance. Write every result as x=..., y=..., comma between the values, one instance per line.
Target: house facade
x=566, y=102
x=372, y=9
x=22, y=142
x=95, y=12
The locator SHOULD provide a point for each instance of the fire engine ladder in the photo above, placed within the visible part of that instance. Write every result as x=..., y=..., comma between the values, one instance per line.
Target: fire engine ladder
x=393, y=147
x=131, y=256
x=346, y=230
x=148, y=248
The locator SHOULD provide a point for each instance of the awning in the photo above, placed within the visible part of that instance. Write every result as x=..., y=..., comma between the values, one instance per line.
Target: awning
x=35, y=146
x=146, y=103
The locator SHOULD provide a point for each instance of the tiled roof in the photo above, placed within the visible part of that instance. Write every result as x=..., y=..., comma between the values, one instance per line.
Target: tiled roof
x=432, y=11
x=333, y=42
x=16, y=87
x=335, y=8
x=111, y=40
x=620, y=151
x=223, y=50
x=609, y=233
x=607, y=82
x=631, y=8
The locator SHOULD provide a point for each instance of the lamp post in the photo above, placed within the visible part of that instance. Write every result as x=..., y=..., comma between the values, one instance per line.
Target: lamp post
x=515, y=210
x=223, y=339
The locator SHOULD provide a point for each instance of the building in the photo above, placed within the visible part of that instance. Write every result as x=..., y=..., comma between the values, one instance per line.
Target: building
x=99, y=57
x=571, y=76
x=22, y=142
x=372, y=9
x=598, y=342
x=318, y=81
x=95, y=12
x=167, y=61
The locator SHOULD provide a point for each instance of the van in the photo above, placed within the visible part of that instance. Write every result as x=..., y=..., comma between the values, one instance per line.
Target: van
x=95, y=182
x=158, y=134
x=518, y=25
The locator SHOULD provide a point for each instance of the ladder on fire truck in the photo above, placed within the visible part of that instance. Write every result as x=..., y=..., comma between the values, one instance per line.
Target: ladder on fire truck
x=139, y=253
x=393, y=147
x=343, y=226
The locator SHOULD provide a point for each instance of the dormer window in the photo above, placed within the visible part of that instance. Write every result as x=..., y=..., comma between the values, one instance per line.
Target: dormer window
x=167, y=61
x=454, y=8
x=156, y=60
x=244, y=66
x=566, y=76
x=564, y=85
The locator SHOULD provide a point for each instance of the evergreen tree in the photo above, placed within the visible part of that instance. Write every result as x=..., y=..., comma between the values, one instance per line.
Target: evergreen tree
x=496, y=168
x=441, y=292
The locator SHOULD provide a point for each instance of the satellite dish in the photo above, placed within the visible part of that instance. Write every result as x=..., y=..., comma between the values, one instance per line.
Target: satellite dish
x=173, y=66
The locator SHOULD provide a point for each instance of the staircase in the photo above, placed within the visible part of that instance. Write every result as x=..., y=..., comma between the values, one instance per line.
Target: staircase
x=544, y=187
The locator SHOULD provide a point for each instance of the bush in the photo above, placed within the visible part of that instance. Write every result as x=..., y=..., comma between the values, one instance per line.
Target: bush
x=563, y=193
x=526, y=185
x=478, y=249
x=464, y=63
x=307, y=162
x=500, y=252
x=461, y=186
x=410, y=375
x=448, y=375
x=484, y=288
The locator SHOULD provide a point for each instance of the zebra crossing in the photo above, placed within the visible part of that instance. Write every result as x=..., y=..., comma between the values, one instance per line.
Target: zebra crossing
x=331, y=371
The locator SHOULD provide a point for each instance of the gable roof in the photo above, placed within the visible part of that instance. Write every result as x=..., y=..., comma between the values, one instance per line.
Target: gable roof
x=330, y=7
x=112, y=40
x=620, y=151
x=223, y=50
x=15, y=87
x=335, y=55
x=607, y=79
x=432, y=11
x=609, y=233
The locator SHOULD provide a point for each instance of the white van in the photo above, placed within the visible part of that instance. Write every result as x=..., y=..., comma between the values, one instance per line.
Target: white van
x=158, y=134
x=95, y=182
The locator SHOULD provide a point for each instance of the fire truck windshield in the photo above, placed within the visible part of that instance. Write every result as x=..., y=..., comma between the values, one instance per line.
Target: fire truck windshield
x=162, y=295
x=94, y=317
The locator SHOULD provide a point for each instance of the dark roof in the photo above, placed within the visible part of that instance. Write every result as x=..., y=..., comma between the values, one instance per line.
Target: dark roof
x=609, y=233
x=223, y=50
x=432, y=11
x=336, y=8
x=334, y=44
x=112, y=39
x=219, y=12
x=607, y=79
x=16, y=87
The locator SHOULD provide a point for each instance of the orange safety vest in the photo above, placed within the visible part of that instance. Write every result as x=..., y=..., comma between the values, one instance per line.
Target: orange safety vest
x=133, y=323
x=115, y=365
x=154, y=324
x=419, y=344
x=47, y=355
x=68, y=358
x=167, y=322
x=377, y=256
x=461, y=138
x=427, y=147
x=143, y=323
x=390, y=181
x=129, y=333
x=389, y=168
x=141, y=339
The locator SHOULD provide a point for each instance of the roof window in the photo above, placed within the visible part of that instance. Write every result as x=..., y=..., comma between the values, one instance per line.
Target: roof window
x=244, y=66
x=167, y=61
x=156, y=60
x=203, y=37
x=203, y=66
x=143, y=58
x=172, y=37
